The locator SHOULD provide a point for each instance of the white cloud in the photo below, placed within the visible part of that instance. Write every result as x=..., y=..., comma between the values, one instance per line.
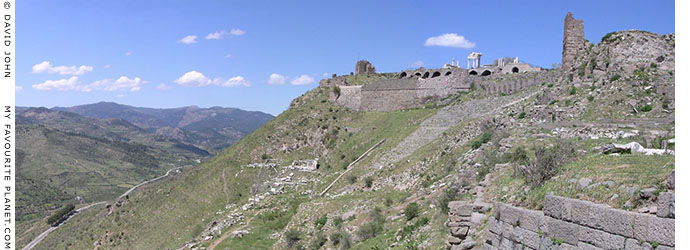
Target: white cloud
x=62, y=84
x=197, y=79
x=214, y=36
x=228, y=55
x=232, y=82
x=193, y=79
x=417, y=64
x=128, y=53
x=120, y=96
x=132, y=84
x=188, y=39
x=107, y=66
x=276, y=79
x=220, y=34
x=237, y=32
x=45, y=67
x=303, y=80
x=449, y=40
x=18, y=88
x=163, y=86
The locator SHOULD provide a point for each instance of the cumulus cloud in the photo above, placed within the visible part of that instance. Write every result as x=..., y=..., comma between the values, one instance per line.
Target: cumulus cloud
x=73, y=83
x=128, y=53
x=449, y=40
x=228, y=55
x=107, y=66
x=188, y=39
x=303, y=80
x=132, y=84
x=193, y=79
x=417, y=64
x=46, y=67
x=220, y=34
x=232, y=82
x=197, y=79
x=276, y=79
x=62, y=84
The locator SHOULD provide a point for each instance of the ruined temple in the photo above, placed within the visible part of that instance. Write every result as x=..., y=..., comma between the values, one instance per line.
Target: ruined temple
x=573, y=40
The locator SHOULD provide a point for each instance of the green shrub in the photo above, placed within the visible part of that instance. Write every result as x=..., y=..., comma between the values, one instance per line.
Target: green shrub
x=615, y=77
x=60, y=213
x=411, y=211
x=573, y=90
x=372, y=228
x=549, y=85
x=336, y=91
x=483, y=138
x=320, y=222
x=653, y=65
x=451, y=193
x=368, y=181
x=521, y=115
x=410, y=228
x=553, y=102
x=338, y=221
x=265, y=156
x=646, y=108
x=547, y=163
x=335, y=238
x=318, y=241
x=352, y=179
x=590, y=98
x=292, y=236
x=388, y=202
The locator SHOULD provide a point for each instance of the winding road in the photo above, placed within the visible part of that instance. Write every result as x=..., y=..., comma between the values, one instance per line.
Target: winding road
x=42, y=236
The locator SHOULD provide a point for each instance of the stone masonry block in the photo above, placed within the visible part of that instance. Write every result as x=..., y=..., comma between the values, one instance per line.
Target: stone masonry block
x=565, y=231
x=633, y=244
x=661, y=230
x=615, y=221
x=585, y=246
x=494, y=226
x=532, y=220
x=510, y=214
x=665, y=202
x=557, y=207
x=492, y=239
x=526, y=237
x=601, y=239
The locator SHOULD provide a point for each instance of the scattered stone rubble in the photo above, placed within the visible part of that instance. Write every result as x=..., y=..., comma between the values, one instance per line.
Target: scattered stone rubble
x=635, y=148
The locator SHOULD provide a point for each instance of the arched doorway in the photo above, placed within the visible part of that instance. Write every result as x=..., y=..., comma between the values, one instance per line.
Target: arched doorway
x=403, y=74
x=426, y=75
x=436, y=74
x=486, y=73
x=515, y=70
x=448, y=73
x=473, y=73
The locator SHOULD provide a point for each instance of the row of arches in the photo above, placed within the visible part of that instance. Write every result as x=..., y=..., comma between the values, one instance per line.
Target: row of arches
x=425, y=74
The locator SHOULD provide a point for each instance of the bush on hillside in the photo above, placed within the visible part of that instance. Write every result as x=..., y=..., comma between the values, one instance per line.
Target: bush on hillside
x=411, y=211
x=60, y=213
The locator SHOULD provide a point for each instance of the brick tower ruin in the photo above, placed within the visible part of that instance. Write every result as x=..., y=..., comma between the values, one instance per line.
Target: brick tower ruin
x=364, y=67
x=573, y=41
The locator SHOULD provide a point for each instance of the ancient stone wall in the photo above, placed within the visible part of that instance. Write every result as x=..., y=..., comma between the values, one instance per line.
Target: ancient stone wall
x=573, y=41
x=576, y=224
x=350, y=97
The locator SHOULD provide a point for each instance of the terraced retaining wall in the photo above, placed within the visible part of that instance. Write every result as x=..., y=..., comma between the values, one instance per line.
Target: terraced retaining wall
x=576, y=224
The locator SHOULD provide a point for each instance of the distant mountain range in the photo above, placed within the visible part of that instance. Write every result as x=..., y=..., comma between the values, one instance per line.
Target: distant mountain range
x=212, y=129
x=98, y=151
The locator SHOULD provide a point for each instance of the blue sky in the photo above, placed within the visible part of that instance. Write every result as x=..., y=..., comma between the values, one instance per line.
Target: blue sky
x=142, y=53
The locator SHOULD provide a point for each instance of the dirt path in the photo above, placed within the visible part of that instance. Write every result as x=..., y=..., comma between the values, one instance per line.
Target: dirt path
x=228, y=232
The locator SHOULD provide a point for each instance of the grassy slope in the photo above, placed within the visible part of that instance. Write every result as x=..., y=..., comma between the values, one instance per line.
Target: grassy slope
x=169, y=213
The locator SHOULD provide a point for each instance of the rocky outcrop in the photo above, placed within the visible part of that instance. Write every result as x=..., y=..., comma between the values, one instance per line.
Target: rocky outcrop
x=576, y=224
x=459, y=223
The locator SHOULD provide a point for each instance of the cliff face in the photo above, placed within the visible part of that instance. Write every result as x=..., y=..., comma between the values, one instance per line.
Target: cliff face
x=624, y=53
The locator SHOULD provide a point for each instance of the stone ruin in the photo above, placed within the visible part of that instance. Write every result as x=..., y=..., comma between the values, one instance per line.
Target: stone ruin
x=413, y=88
x=459, y=223
x=573, y=41
x=364, y=67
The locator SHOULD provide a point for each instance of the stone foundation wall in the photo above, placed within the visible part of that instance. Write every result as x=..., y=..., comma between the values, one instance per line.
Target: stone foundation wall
x=576, y=224
x=350, y=97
